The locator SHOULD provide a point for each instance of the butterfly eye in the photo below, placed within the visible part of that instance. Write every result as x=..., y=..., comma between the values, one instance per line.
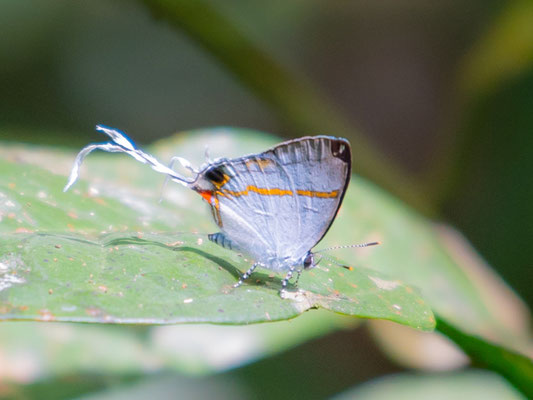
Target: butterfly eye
x=309, y=261
x=215, y=174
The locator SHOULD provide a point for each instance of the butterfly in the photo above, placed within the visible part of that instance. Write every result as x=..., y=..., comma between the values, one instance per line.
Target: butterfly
x=273, y=206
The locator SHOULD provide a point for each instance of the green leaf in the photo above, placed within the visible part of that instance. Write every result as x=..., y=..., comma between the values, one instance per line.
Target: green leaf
x=472, y=385
x=123, y=197
x=412, y=249
x=158, y=279
x=37, y=351
x=125, y=274
x=128, y=386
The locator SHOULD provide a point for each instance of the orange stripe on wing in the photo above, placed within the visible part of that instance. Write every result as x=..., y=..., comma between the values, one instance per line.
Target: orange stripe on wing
x=279, y=192
x=255, y=189
x=311, y=193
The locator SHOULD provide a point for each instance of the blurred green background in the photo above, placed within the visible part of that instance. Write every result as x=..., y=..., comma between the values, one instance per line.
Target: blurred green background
x=436, y=98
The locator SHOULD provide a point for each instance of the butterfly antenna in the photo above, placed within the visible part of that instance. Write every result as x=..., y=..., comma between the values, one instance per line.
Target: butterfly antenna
x=348, y=246
x=342, y=247
x=349, y=268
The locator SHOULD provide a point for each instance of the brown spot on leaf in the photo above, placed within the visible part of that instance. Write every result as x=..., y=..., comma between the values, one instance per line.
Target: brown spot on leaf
x=24, y=230
x=99, y=200
x=93, y=311
x=46, y=315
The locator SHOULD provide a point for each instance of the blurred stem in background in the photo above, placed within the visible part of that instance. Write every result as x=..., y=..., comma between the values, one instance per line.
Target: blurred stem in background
x=503, y=53
x=293, y=98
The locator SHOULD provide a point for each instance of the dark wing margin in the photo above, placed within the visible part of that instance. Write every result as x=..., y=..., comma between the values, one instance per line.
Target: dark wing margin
x=341, y=149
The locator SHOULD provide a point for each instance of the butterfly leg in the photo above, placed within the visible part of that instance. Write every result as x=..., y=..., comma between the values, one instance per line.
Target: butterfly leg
x=246, y=275
x=299, y=272
x=287, y=278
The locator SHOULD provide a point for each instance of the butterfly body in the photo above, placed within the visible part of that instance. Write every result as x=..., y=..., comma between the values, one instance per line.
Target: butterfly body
x=273, y=206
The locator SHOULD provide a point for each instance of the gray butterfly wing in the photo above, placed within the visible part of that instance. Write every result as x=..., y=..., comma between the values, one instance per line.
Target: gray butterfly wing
x=278, y=204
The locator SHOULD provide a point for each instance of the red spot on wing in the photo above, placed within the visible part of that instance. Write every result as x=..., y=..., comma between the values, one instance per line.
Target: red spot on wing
x=206, y=194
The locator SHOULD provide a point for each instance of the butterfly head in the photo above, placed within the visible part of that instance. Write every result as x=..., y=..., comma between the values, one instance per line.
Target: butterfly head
x=309, y=261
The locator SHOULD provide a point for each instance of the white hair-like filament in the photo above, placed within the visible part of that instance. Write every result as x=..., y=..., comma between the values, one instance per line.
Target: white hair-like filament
x=122, y=144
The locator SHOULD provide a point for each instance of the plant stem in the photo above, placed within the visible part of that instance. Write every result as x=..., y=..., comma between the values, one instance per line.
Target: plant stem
x=516, y=368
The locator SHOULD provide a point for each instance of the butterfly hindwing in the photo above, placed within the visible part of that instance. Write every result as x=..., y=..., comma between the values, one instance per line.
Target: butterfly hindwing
x=278, y=204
